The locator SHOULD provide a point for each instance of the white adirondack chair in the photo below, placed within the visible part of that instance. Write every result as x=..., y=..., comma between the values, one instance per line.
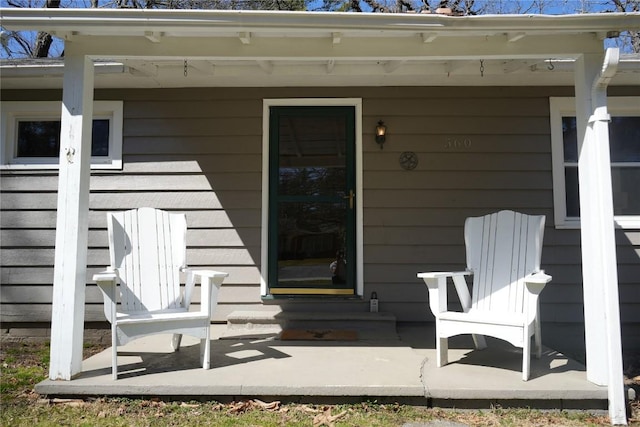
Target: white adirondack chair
x=148, y=250
x=503, y=255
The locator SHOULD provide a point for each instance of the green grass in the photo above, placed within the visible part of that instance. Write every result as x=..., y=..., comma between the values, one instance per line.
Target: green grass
x=24, y=365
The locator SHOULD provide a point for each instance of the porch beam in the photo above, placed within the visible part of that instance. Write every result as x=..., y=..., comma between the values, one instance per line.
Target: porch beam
x=153, y=36
x=70, y=263
x=428, y=37
x=204, y=67
x=266, y=66
x=514, y=37
x=330, y=66
x=599, y=264
x=245, y=37
x=142, y=67
x=361, y=48
x=450, y=67
x=391, y=66
x=514, y=66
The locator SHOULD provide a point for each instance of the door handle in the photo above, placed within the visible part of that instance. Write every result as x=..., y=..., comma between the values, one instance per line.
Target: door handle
x=350, y=196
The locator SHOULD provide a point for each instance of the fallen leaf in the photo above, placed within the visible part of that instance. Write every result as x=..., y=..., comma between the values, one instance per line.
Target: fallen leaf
x=306, y=408
x=326, y=419
x=272, y=406
x=189, y=405
x=74, y=403
x=238, y=407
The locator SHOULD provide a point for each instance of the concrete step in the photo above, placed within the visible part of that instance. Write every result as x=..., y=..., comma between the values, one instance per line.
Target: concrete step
x=256, y=324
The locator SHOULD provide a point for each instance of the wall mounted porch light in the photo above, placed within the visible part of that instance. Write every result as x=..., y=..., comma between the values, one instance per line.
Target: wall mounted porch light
x=381, y=132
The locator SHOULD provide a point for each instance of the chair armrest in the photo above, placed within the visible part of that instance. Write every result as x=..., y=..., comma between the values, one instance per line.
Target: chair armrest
x=108, y=275
x=107, y=281
x=534, y=284
x=205, y=273
x=445, y=274
x=437, y=284
x=209, y=294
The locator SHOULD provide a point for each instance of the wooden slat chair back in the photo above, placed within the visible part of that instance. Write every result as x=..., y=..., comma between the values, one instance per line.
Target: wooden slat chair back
x=147, y=250
x=503, y=252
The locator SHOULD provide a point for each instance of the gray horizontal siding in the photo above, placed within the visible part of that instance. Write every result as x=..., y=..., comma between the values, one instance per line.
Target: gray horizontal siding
x=199, y=151
x=198, y=157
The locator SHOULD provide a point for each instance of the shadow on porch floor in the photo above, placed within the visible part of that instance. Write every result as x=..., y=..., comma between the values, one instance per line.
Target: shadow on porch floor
x=399, y=370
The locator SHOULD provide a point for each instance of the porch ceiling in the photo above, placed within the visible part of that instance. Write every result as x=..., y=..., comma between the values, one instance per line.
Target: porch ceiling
x=148, y=48
x=143, y=73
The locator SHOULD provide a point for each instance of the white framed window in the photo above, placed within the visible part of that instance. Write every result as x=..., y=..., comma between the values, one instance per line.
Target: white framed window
x=624, y=135
x=31, y=135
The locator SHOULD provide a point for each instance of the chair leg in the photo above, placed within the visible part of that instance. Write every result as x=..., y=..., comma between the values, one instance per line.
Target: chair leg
x=114, y=353
x=175, y=342
x=479, y=342
x=205, y=350
x=442, y=351
x=538, y=338
x=526, y=358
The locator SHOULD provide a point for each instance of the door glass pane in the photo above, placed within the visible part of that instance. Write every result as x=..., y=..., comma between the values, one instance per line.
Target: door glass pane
x=312, y=199
x=311, y=237
x=312, y=155
x=312, y=181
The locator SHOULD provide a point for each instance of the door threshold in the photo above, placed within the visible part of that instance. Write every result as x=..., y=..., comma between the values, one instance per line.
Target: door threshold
x=310, y=291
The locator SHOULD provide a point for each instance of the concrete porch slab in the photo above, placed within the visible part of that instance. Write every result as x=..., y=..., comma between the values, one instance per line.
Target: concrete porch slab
x=398, y=370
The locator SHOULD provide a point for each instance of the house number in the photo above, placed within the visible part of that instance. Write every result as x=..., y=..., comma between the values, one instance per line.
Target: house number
x=458, y=144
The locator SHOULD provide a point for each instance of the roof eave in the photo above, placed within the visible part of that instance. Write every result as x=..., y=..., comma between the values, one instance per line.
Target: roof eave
x=115, y=21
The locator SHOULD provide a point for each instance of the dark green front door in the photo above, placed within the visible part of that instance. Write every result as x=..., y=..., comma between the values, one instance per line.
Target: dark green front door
x=312, y=201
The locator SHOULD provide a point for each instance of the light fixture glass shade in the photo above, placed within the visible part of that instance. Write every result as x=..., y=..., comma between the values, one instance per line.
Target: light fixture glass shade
x=381, y=131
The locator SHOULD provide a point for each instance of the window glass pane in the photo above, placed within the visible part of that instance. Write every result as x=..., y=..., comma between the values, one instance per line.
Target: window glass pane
x=572, y=191
x=41, y=138
x=626, y=190
x=624, y=139
x=624, y=133
x=625, y=182
x=100, y=138
x=38, y=138
x=570, y=139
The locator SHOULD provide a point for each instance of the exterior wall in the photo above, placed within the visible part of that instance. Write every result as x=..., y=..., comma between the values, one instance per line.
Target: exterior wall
x=199, y=151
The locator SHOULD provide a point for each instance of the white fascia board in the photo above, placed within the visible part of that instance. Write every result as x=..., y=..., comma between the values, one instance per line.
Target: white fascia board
x=184, y=22
x=361, y=48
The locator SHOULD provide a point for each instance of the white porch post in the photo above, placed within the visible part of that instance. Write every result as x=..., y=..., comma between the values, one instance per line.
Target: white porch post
x=70, y=269
x=599, y=265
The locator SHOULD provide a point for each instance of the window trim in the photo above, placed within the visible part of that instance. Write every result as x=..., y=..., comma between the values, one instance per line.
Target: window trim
x=563, y=107
x=13, y=111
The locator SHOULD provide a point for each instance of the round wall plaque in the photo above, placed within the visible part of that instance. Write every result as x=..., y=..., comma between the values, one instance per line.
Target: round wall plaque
x=408, y=160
